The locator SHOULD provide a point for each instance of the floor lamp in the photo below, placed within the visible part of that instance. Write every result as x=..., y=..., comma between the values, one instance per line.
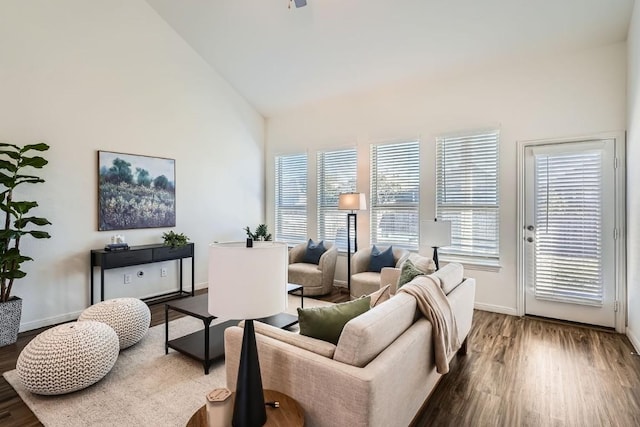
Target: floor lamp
x=438, y=234
x=238, y=292
x=351, y=202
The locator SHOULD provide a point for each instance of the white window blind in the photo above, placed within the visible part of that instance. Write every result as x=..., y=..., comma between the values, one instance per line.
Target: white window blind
x=568, y=227
x=467, y=195
x=291, y=198
x=395, y=194
x=336, y=174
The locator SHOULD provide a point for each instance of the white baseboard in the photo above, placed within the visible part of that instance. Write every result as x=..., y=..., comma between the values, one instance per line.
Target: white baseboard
x=41, y=323
x=634, y=339
x=68, y=317
x=495, y=308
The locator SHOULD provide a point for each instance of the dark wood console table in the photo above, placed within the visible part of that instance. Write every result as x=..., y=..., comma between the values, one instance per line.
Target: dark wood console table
x=144, y=254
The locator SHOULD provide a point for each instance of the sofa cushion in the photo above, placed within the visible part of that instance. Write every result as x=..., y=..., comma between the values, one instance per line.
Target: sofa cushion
x=407, y=272
x=313, y=252
x=366, y=336
x=449, y=276
x=423, y=263
x=379, y=260
x=381, y=295
x=309, y=274
x=326, y=323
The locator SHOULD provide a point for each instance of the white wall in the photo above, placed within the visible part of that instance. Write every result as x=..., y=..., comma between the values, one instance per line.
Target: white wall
x=536, y=98
x=112, y=75
x=633, y=178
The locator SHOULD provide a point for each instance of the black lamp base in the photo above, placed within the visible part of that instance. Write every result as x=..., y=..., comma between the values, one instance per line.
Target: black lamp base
x=249, y=410
x=435, y=257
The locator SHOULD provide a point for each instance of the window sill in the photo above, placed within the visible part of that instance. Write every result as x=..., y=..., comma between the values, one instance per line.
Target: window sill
x=469, y=264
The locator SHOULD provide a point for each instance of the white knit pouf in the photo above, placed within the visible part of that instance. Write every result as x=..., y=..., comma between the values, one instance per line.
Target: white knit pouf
x=129, y=317
x=68, y=357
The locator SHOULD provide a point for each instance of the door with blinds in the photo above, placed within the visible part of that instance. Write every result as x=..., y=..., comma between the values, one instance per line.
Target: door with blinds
x=570, y=231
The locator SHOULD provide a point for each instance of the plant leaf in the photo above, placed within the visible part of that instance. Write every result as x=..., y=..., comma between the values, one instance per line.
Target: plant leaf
x=35, y=162
x=23, y=222
x=5, y=164
x=38, y=234
x=40, y=146
x=23, y=207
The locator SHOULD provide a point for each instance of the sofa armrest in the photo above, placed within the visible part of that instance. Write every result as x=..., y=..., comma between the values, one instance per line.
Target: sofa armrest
x=462, y=299
x=323, y=348
x=316, y=382
x=390, y=276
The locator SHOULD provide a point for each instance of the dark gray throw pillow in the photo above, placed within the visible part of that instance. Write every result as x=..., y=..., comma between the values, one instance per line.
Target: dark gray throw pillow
x=314, y=252
x=379, y=260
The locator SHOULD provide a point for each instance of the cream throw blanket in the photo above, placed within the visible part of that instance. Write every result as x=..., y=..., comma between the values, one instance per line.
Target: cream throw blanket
x=434, y=305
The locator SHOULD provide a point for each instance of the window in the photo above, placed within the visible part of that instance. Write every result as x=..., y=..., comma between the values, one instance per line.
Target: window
x=395, y=185
x=467, y=195
x=291, y=198
x=336, y=174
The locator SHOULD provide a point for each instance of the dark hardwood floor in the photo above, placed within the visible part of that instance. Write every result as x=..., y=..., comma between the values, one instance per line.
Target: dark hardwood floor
x=517, y=372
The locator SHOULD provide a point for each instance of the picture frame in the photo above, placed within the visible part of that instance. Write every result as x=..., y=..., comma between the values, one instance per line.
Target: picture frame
x=135, y=191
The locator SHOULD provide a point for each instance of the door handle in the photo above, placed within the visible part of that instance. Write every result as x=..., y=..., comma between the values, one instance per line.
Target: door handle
x=530, y=239
x=530, y=227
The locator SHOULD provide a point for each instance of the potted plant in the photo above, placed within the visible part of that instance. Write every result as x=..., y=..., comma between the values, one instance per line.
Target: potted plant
x=17, y=223
x=174, y=240
x=261, y=233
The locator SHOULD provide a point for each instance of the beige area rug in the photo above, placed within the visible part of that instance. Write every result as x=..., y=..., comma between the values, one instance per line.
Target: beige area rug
x=144, y=388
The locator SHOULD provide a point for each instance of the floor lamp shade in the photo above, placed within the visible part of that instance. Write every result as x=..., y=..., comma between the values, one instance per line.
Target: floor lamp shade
x=248, y=283
x=352, y=202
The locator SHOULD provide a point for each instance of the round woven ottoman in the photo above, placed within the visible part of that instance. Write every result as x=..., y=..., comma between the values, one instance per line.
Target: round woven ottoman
x=129, y=317
x=68, y=357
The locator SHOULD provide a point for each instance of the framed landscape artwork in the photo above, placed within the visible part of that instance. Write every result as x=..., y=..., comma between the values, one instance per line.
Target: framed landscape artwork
x=135, y=191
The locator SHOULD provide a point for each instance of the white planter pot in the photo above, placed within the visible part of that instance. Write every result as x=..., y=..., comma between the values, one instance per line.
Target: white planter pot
x=10, y=314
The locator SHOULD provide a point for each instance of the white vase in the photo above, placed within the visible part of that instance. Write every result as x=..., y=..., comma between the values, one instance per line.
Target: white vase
x=10, y=314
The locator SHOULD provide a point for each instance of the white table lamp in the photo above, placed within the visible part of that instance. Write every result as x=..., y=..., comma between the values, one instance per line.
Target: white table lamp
x=437, y=234
x=248, y=283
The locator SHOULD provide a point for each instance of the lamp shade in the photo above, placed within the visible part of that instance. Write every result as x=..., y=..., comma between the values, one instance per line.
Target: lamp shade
x=247, y=283
x=352, y=202
x=436, y=233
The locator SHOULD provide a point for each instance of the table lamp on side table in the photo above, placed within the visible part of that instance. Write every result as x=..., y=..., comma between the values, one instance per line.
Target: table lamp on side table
x=248, y=283
x=438, y=234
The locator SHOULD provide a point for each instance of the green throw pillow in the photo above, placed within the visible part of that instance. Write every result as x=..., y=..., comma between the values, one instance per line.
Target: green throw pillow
x=408, y=272
x=326, y=323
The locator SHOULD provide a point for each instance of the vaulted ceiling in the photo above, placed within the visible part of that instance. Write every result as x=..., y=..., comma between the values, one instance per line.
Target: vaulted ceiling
x=279, y=57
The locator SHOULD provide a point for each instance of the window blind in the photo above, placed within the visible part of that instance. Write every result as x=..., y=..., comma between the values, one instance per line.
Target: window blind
x=336, y=174
x=291, y=198
x=568, y=227
x=467, y=195
x=395, y=194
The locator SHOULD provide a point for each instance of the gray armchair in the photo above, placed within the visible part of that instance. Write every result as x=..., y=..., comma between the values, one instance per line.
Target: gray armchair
x=363, y=281
x=316, y=279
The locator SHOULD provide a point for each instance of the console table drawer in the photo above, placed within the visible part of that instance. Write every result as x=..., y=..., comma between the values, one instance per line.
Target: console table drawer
x=165, y=253
x=127, y=258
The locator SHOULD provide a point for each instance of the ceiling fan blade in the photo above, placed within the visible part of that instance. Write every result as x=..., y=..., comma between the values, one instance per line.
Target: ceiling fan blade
x=300, y=3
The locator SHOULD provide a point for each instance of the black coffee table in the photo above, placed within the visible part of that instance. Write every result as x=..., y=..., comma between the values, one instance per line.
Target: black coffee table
x=207, y=347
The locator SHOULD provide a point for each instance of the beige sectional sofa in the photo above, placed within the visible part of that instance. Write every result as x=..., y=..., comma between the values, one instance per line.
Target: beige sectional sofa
x=379, y=374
